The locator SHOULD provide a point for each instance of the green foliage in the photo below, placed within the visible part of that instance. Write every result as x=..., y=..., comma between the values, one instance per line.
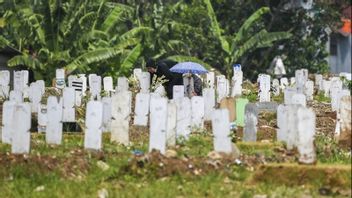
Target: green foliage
x=320, y=97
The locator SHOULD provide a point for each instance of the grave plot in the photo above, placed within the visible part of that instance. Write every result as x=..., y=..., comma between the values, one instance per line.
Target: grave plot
x=234, y=147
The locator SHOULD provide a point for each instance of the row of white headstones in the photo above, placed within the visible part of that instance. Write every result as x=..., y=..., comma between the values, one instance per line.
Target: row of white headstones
x=179, y=114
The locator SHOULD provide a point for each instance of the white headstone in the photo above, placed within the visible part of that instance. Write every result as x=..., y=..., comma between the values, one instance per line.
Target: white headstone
x=326, y=87
x=108, y=84
x=16, y=96
x=42, y=117
x=183, y=123
x=221, y=130
x=306, y=133
x=4, y=84
x=288, y=94
x=60, y=78
x=221, y=87
x=106, y=114
x=53, y=134
x=210, y=80
x=122, y=84
x=197, y=114
x=292, y=131
x=178, y=91
x=78, y=84
x=292, y=81
x=281, y=132
x=8, y=122
x=345, y=120
x=158, y=124
x=94, y=121
x=283, y=83
x=309, y=90
x=121, y=110
x=144, y=82
x=276, y=87
x=264, y=86
x=136, y=73
x=319, y=81
x=237, y=80
x=251, y=121
x=83, y=79
x=141, y=110
x=299, y=99
x=35, y=95
x=300, y=80
x=68, y=101
x=95, y=86
x=171, y=124
x=209, y=102
x=21, y=136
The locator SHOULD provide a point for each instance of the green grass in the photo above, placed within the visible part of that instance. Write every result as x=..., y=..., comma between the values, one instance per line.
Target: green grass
x=320, y=97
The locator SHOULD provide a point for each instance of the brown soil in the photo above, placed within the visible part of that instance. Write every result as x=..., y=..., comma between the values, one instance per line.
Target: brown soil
x=73, y=166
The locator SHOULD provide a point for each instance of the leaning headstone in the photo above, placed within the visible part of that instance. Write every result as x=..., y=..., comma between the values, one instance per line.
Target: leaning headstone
x=229, y=103
x=221, y=130
x=210, y=80
x=53, y=134
x=299, y=99
x=144, y=82
x=178, y=91
x=309, y=90
x=345, y=121
x=197, y=114
x=171, y=124
x=60, y=78
x=221, y=87
x=264, y=86
x=183, y=124
x=306, y=134
x=94, y=121
x=42, y=118
x=8, y=122
x=4, y=84
x=68, y=101
x=121, y=110
x=240, y=107
x=158, y=124
x=122, y=84
x=209, y=103
x=106, y=126
x=141, y=110
x=108, y=84
x=251, y=121
x=16, y=96
x=276, y=87
x=21, y=136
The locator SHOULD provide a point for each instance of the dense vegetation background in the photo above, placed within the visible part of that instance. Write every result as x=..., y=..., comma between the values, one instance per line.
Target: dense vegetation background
x=113, y=37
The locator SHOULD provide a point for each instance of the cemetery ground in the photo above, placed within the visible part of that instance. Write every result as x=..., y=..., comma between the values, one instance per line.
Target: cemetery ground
x=190, y=169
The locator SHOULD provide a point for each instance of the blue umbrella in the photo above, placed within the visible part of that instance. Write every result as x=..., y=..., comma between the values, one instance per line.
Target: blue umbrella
x=188, y=67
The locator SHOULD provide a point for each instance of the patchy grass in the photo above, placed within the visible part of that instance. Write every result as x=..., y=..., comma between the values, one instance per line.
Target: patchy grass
x=320, y=97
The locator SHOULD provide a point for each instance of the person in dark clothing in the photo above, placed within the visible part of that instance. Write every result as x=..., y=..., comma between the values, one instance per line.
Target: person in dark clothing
x=162, y=68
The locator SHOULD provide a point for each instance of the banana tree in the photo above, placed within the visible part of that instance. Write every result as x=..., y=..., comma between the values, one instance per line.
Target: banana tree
x=235, y=46
x=76, y=35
